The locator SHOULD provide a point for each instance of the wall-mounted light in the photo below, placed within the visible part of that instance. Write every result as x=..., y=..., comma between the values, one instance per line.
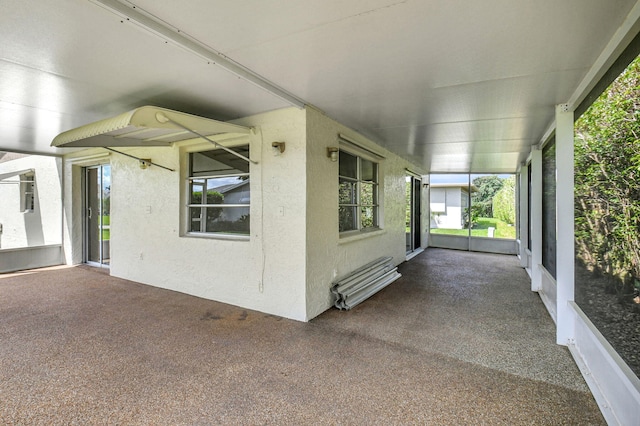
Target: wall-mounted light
x=332, y=152
x=277, y=147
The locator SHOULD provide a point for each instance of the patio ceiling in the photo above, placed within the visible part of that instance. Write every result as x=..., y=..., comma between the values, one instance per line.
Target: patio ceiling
x=454, y=86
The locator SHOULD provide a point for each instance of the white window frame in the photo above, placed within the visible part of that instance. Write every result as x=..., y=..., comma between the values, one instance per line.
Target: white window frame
x=203, y=206
x=377, y=219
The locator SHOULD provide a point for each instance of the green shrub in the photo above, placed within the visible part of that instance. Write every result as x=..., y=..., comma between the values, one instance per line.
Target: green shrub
x=504, y=202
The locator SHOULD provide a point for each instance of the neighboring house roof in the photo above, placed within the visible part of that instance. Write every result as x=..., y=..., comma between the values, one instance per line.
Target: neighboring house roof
x=228, y=188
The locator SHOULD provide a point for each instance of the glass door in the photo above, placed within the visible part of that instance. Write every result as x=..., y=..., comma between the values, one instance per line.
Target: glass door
x=412, y=223
x=97, y=214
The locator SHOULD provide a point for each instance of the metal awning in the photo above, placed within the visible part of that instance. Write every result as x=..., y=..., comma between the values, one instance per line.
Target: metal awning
x=145, y=126
x=8, y=175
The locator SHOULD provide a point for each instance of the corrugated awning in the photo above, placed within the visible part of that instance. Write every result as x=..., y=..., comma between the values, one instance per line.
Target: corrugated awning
x=144, y=126
x=7, y=175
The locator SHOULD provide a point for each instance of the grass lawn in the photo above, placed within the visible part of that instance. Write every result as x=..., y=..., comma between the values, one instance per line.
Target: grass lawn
x=106, y=233
x=480, y=229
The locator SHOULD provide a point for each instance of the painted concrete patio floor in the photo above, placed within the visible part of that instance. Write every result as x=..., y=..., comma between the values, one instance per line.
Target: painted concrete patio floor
x=458, y=340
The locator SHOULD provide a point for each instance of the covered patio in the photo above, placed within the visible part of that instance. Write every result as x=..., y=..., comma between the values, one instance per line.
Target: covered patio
x=459, y=339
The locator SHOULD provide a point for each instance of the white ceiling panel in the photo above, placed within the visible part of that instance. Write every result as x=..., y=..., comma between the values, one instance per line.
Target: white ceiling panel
x=421, y=67
x=448, y=84
x=252, y=18
x=95, y=66
x=440, y=43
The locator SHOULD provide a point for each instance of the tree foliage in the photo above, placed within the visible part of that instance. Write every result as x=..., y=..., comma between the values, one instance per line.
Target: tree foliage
x=481, y=200
x=504, y=202
x=607, y=181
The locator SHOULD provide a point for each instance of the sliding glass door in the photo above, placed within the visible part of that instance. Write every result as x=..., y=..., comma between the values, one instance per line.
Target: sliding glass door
x=412, y=225
x=97, y=222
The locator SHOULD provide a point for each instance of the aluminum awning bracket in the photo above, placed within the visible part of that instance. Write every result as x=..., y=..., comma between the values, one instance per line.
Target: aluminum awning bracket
x=162, y=118
x=144, y=162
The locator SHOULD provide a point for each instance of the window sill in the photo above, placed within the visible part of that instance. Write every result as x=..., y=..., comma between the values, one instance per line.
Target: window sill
x=227, y=237
x=351, y=236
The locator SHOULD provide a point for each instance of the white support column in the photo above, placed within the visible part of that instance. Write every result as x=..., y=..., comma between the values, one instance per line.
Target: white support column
x=536, y=220
x=524, y=217
x=564, y=223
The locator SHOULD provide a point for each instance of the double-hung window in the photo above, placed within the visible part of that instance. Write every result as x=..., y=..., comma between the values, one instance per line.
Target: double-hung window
x=219, y=192
x=358, y=193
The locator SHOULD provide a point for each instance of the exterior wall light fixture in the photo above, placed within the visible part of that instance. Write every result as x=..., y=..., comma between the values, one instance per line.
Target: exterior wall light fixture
x=278, y=147
x=332, y=152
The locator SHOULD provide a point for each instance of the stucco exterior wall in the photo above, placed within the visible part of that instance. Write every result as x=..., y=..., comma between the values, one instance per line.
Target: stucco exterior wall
x=43, y=225
x=328, y=255
x=278, y=185
x=294, y=252
x=264, y=272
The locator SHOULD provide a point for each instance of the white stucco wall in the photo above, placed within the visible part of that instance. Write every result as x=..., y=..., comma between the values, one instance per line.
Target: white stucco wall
x=287, y=264
x=329, y=256
x=43, y=225
x=264, y=272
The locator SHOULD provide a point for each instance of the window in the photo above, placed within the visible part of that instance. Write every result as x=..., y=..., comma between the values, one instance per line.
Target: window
x=27, y=192
x=529, y=188
x=219, y=192
x=549, y=208
x=357, y=193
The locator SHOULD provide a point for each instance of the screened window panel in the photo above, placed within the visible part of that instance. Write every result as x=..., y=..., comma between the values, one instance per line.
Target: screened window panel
x=529, y=206
x=348, y=165
x=368, y=170
x=197, y=188
x=220, y=192
x=347, y=191
x=357, y=193
x=195, y=219
x=347, y=218
x=228, y=220
x=549, y=208
x=367, y=194
x=367, y=217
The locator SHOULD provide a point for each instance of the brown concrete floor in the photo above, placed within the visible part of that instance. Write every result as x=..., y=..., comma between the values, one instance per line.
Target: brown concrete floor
x=458, y=340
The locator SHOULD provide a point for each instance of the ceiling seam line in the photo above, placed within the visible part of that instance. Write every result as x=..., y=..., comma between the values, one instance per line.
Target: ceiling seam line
x=155, y=26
